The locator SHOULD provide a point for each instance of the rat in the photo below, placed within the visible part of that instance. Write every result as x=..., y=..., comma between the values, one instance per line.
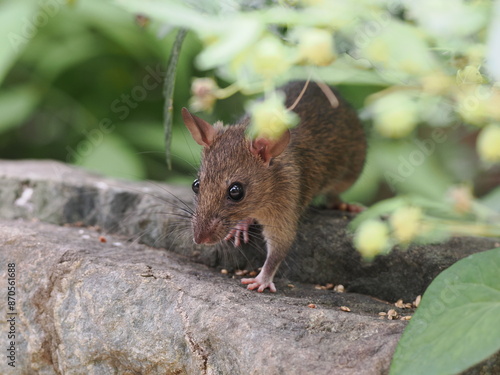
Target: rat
x=272, y=181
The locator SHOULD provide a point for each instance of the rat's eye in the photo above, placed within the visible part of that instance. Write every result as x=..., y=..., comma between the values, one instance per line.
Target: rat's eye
x=236, y=192
x=196, y=186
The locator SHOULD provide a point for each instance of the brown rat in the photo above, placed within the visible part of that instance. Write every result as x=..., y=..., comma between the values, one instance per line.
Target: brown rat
x=272, y=181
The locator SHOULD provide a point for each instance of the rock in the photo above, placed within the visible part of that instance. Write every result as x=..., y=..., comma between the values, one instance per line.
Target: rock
x=87, y=306
x=155, y=214
x=91, y=299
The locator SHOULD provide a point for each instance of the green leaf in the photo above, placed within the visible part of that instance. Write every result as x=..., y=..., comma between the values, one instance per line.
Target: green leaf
x=398, y=52
x=146, y=136
x=66, y=54
x=411, y=168
x=379, y=209
x=119, y=26
x=344, y=70
x=228, y=38
x=16, y=105
x=240, y=32
x=457, y=324
x=173, y=13
x=16, y=29
x=366, y=187
x=108, y=154
x=492, y=199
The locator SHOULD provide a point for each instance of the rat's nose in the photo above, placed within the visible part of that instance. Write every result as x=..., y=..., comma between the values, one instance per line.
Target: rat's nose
x=202, y=238
x=207, y=233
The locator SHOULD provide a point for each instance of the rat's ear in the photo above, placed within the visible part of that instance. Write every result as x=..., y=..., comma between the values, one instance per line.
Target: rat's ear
x=267, y=148
x=203, y=133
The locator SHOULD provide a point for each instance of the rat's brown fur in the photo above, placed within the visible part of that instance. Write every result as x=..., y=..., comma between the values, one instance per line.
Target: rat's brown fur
x=325, y=155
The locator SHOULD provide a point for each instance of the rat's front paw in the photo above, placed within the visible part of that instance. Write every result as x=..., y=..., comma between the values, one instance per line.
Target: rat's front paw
x=259, y=284
x=240, y=231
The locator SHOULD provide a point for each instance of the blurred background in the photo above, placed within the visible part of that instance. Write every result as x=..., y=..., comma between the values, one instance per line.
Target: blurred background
x=82, y=82
x=84, y=64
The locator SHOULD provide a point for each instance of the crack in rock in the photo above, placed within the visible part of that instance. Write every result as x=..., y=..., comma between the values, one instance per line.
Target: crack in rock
x=199, y=352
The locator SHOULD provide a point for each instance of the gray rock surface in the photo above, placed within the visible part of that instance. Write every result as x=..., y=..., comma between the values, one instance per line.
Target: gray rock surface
x=88, y=307
x=152, y=213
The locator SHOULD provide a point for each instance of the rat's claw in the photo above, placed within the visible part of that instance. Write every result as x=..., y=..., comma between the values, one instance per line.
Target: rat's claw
x=230, y=235
x=237, y=241
x=348, y=207
x=254, y=283
x=271, y=287
x=240, y=232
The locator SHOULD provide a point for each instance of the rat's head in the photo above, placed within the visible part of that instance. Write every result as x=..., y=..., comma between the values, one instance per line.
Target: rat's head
x=233, y=178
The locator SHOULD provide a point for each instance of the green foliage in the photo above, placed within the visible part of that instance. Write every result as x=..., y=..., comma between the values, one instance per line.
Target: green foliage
x=457, y=324
x=10, y=14
x=121, y=161
x=16, y=105
x=65, y=68
x=68, y=66
x=417, y=219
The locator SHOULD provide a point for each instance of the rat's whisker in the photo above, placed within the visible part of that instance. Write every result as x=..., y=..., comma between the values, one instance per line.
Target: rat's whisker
x=173, y=214
x=187, y=206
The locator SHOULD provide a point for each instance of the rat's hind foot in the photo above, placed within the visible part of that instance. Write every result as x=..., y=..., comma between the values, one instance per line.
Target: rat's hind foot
x=240, y=231
x=333, y=202
x=259, y=284
x=348, y=207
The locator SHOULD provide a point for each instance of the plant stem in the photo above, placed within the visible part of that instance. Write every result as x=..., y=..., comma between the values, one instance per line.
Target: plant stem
x=168, y=91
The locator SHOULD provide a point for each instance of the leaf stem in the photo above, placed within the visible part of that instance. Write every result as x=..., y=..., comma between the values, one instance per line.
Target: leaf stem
x=168, y=91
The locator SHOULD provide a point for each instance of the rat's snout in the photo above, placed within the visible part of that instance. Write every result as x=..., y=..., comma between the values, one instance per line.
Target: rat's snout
x=208, y=233
x=203, y=238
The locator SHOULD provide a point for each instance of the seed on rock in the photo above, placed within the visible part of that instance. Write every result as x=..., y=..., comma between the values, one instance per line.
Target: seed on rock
x=392, y=314
x=417, y=301
x=339, y=288
x=399, y=304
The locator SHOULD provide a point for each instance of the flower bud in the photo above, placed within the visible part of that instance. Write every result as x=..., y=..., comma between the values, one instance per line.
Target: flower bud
x=395, y=115
x=203, y=91
x=469, y=75
x=371, y=238
x=461, y=198
x=270, y=118
x=472, y=102
x=405, y=222
x=316, y=47
x=488, y=143
x=437, y=83
x=269, y=57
